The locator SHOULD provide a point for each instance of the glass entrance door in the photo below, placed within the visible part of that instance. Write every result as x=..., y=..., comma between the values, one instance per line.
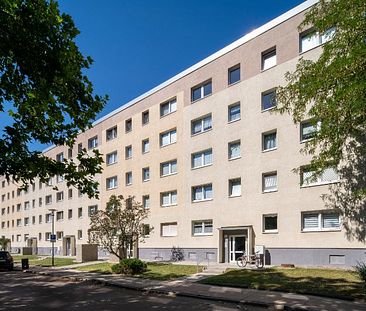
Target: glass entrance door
x=236, y=247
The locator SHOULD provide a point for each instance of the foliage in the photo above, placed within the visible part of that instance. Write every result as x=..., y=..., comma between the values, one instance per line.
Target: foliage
x=332, y=90
x=337, y=283
x=4, y=243
x=130, y=266
x=119, y=225
x=45, y=92
x=361, y=270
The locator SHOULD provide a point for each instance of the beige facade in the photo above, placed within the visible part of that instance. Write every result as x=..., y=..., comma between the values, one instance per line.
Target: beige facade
x=253, y=199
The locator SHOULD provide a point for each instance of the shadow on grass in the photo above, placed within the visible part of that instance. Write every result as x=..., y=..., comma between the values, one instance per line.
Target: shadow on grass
x=293, y=280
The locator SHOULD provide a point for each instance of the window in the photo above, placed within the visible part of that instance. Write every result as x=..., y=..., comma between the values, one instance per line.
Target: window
x=33, y=204
x=145, y=230
x=48, y=199
x=60, y=215
x=201, y=125
x=19, y=222
x=80, y=147
x=168, y=198
x=168, y=138
x=59, y=235
x=128, y=178
x=146, y=174
x=26, y=205
x=33, y=220
x=92, y=210
x=234, y=112
x=48, y=218
x=268, y=100
x=69, y=154
x=93, y=142
x=19, y=237
x=145, y=145
x=70, y=194
x=26, y=221
x=49, y=182
x=234, y=150
x=59, y=178
x=270, y=223
x=146, y=201
x=80, y=234
x=60, y=157
x=40, y=219
x=308, y=130
x=69, y=214
x=269, y=182
x=48, y=236
x=128, y=152
x=111, y=182
x=234, y=74
x=111, y=133
x=269, y=141
x=169, y=229
x=128, y=125
x=111, y=158
x=18, y=207
x=145, y=117
x=59, y=196
x=202, y=227
x=235, y=187
x=168, y=107
x=202, y=158
x=80, y=212
x=269, y=59
x=311, y=39
x=309, y=178
x=201, y=90
x=321, y=221
x=168, y=168
x=202, y=193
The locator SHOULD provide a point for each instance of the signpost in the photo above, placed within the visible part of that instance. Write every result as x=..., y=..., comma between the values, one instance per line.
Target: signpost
x=53, y=235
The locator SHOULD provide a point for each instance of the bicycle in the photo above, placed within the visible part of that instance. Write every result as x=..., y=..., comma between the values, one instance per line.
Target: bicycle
x=256, y=259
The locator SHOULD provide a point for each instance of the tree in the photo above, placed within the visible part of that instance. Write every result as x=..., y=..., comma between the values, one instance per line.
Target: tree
x=118, y=226
x=44, y=90
x=332, y=90
x=4, y=243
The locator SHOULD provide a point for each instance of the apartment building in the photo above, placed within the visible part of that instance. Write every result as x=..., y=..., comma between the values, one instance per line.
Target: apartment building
x=203, y=152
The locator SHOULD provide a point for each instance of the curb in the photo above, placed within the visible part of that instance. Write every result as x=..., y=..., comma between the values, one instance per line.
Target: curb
x=171, y=293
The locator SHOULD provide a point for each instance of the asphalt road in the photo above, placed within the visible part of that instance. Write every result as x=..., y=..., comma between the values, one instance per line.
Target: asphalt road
x=25, y=291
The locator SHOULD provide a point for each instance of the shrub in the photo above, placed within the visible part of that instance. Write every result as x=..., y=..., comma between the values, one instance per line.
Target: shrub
x=361, y=270
x=130, y=266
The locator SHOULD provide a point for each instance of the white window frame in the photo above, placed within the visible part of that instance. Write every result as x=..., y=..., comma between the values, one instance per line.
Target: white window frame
x=320, y=216
x=316, y=38
x=172, y=107
x=93, y=142
x=264, y=230
x=269, y=174
x=173, y=229
x=170, y=195
x=111, y=133
x=48, y=199
x=143, y=120
x=266, y=134
x=229, y=117
x=201, y=88
x=112, y=158
x=202, y=155
x=171, y=134
x=230, y=70
x=128, y=125
x=145, y=146
x=204, y=192
x=230, y=144
x=128, y=178
x=269, y=59
x=201, y=122
x=318, y=180
x=128, y=152
x=203, y=224
x=146, y=170
x=170, y=164
x=268, y=92
x=59, y=196
x=232, y=183
x=112, y=182
x=146, y=201
x=317, y=128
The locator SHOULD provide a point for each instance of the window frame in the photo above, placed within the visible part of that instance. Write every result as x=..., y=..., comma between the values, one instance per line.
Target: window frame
x=93, y=142
x=203, y=191
x=202, y=155
x=201, y=120
x=230, y=71
x=268, y=174
x=203, y=224
x=231, y=143
x=264, y=230
x=201, y=87
x=231, y=182
x=171, y=102
x=113, y=131
x=127, y=176
x=128, y=125
x=170, y=164
x=317, y=182
x=143, y=171
x=320, y=215
x=266, y=55
x=265, y=93
x=229, y=116
x=144, y=120
x=170, y=194
x=115, y=182
x=271, y=132
x=109, y=155
x=169, y=132
x=173, y=223
x=143, y=151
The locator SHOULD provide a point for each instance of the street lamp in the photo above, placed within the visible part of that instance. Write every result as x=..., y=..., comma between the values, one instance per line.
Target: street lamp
x=52, y=210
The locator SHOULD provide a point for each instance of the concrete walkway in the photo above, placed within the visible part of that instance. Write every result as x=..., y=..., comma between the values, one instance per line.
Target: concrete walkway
x=188, y=288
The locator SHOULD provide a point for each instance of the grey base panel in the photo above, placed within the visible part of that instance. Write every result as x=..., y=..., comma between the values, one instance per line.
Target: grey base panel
x=337, y=257
x=190, y=254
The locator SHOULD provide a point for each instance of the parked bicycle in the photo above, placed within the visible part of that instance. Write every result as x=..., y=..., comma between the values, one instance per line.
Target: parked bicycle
x=255, y=259
x=177, y=254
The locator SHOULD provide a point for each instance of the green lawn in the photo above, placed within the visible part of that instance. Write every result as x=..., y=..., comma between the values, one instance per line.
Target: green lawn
x=342, y=284
x=18, y=258
x=155, y=271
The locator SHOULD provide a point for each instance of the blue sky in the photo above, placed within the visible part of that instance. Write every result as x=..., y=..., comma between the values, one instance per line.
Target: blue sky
x=139, y=44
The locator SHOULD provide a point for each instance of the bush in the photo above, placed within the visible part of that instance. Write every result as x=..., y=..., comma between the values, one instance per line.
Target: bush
x=129, y=266
x=361, y=270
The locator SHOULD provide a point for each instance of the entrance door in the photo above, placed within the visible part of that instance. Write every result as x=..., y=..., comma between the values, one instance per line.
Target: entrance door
x=236, y=247
x=68, y=247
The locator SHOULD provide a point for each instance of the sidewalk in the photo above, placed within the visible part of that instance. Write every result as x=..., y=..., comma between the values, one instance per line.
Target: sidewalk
x=185, y=287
